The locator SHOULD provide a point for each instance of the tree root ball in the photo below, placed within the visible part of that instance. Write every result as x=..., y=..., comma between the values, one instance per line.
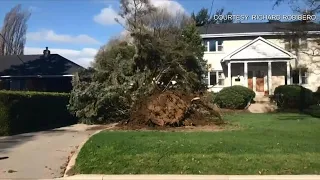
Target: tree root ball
x=169, y=108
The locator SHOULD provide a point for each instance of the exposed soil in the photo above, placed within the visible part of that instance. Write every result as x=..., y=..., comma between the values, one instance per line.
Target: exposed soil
x=172, y=109
x=210, y=127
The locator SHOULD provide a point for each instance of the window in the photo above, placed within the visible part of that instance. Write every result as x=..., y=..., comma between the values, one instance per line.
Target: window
x=213, y=78
x=303, y=43
x=304, y=76
x=15, y=85
x=300, y=76
x=216, y=78
x=205, y=78
x=219, y=45
x=294, y=43
x=205, y=44
x=295, y=77
x=220, y=78
x=300, y=43
x=5, y=84
x=212, y=45
x=287, y=45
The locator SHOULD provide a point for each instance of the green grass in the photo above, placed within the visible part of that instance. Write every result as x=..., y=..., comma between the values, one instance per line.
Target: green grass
x=265, y=144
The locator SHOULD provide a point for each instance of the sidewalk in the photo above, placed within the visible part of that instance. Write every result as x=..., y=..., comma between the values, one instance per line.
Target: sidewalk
x=42, y=154
x=192, y=177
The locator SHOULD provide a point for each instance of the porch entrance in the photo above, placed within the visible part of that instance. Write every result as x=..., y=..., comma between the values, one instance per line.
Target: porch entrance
x=256, y=80
x=260, y=54
x=259, y=81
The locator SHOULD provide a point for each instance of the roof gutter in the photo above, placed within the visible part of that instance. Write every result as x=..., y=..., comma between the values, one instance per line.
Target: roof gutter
x=249, y=34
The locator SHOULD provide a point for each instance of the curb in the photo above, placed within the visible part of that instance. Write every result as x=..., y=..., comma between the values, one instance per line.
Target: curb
x=192, y=177
x=74, y=156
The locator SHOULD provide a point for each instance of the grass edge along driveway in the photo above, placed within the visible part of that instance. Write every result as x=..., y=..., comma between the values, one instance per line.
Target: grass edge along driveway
x=265, y=144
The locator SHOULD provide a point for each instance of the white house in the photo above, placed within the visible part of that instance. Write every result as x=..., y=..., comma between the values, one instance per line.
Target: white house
x=257, y=56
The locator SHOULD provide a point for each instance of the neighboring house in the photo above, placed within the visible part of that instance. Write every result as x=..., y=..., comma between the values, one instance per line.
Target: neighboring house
x=259, y=56
x=43, y=72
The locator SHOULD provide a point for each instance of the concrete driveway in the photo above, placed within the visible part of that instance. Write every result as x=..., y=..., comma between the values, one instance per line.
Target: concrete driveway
x=40, y=154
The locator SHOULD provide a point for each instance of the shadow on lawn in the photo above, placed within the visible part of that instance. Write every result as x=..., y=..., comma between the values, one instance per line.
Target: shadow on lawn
x=290, y=116
x=8, y=142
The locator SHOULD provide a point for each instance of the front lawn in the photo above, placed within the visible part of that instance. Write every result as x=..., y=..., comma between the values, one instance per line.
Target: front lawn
x=265, y=144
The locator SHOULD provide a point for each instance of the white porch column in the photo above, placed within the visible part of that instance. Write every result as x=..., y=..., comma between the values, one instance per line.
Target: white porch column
x=269, y=77
x=208, y=78
x=300, y=77
x=288, y=73
x=246, y=73
x=229, y=73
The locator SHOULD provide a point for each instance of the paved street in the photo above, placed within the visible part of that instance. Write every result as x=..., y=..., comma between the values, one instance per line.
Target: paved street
x=40, y=154
x=192, y=177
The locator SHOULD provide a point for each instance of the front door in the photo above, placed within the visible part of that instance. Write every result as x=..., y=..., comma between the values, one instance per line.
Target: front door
x=259, y=81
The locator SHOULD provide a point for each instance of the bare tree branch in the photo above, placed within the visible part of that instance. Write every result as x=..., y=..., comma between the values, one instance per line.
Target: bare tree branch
x=296, y=32
x=14, y=31
x=301, y=6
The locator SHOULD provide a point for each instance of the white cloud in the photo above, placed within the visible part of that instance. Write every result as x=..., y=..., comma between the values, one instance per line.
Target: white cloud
x=82, y=57
x=107, y=15
x=33, y=9
x=51, y=36
x=172, y=6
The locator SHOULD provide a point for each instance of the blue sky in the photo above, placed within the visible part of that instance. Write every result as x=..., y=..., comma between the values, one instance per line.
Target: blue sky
x=77, y=28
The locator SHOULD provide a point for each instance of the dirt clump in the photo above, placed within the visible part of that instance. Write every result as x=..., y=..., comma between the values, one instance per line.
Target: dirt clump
x=171, y=109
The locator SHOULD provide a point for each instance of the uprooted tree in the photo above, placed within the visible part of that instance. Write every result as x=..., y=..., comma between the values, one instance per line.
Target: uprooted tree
x=155, y=76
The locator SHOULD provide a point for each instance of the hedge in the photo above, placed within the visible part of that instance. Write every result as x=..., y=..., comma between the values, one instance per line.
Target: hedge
x=22, y=111
x=234, y=97
x=316, y=96
x=293, y=97
x=313, y=110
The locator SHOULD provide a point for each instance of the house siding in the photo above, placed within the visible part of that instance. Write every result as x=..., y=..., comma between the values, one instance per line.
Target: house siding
x=312, y=62
x=278, y=78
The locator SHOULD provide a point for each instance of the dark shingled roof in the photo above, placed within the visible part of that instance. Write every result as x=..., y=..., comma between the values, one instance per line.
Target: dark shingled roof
x=253, y=27
x=54, y=64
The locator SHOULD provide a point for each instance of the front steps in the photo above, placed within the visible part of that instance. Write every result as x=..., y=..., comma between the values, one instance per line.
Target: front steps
x=262, y=104
x=262, y=107
x=262, y=99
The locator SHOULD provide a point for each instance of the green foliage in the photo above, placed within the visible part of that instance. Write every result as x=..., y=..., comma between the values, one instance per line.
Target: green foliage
x=316, y=96
x=313, y=110
x=157, y=53
x=22, y=111
x=293, y=97
x=202, y=17
x=116, y=54
x=165, y=51
x=104, y=95
x=192, y=59
x=234, y=97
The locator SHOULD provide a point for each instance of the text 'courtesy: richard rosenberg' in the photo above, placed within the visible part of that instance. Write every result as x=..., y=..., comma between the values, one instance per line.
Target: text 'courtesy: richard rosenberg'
x=237, y=17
